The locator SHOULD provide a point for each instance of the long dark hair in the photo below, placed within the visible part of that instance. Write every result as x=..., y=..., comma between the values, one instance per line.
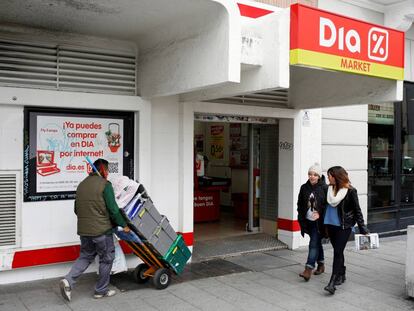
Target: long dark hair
x=341, y=178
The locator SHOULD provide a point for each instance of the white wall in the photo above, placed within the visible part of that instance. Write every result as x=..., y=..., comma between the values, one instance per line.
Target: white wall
x=409, y=262
x=409, y=55
x=53, y=223
x=193, y=53
x=408, y=74
x=11, y=137
x=270, y=35
x=354, y=11
x=289, y=176
x=165, y=165
x=345, y=143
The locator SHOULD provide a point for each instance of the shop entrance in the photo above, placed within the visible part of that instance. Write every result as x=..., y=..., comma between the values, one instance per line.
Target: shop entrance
x=235, y=178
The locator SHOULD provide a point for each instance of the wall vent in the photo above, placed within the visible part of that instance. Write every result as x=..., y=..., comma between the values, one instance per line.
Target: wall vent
x=26, y=64
x=8, y=211
x=95, y=71
x=277, y=98
x=66, y=68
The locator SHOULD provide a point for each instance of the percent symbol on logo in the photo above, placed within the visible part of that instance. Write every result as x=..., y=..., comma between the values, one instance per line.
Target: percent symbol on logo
x=378, y=44
x=378, y=41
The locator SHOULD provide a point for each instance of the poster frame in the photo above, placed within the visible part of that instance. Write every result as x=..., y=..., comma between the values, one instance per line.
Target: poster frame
x=30, y=193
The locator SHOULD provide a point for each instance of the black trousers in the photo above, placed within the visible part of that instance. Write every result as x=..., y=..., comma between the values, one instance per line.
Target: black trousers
x=339, y=237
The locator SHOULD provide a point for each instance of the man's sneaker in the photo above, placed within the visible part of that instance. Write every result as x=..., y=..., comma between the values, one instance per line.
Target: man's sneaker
x=109, y=293
x=65, y=289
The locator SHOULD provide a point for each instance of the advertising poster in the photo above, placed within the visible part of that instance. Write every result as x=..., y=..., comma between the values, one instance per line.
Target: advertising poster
x=239, y=153
x=217, y=142
x=57, y=143
x=63, y=144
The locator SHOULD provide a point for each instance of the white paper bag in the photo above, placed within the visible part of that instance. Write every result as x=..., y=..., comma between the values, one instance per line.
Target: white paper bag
x=124, y=189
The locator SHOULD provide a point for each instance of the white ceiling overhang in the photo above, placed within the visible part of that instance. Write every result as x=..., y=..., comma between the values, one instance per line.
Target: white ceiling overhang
x=121, y=19
x=264, y=60
x=314, y=88
x=398, y=14
x=176, y=40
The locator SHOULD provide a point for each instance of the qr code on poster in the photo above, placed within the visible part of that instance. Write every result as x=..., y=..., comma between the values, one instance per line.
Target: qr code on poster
x=113, y=167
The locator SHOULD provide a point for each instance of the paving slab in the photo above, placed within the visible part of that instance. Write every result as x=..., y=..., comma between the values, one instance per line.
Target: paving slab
x=267, y=280
x=260, y=261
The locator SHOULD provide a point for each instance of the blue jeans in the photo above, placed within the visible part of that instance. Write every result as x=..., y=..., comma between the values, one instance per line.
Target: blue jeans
x=315, y=245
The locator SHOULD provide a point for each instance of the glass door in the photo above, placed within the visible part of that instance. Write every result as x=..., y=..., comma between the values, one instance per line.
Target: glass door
x=254, y=178
x=263, y=174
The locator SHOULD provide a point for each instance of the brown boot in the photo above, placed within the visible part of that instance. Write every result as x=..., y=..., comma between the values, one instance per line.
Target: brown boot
x=320, y=270
x=306, y=274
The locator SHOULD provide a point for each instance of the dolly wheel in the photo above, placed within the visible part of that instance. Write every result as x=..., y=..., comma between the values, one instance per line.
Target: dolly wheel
x=138, y=273
x=162, y=278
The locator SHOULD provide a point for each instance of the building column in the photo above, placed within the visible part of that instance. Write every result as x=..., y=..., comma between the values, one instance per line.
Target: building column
x=186, y=168
x=299, y=148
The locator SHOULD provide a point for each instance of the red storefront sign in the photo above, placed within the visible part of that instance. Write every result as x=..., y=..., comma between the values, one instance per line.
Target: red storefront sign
x=322, y=39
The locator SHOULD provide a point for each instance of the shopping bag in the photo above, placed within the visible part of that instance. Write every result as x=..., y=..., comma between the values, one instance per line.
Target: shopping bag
x=364, y=242
x=119, y=264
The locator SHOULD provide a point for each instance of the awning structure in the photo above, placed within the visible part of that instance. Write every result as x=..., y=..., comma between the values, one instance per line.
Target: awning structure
x=336, y=60
x=317, y=59
x=220, y=50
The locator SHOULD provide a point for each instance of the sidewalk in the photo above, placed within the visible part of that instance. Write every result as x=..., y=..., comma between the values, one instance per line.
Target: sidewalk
x=258, y=281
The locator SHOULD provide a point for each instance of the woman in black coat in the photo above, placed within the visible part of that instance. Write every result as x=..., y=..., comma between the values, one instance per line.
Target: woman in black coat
x=342, y=212
x=311, y=206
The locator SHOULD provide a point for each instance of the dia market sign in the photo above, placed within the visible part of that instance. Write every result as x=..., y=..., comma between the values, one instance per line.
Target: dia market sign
x=322, y=39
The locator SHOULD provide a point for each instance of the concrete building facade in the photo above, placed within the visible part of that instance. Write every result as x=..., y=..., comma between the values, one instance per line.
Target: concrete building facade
x=155, y=68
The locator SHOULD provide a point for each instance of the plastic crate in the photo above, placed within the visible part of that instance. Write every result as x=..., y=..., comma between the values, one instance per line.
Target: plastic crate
x=154, y=228
x=147, y=219
x=162, y=237
x=178, y=255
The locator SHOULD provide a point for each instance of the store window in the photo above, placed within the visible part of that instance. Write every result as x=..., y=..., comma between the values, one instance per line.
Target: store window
x=380, y=154
x=391, y=163
x=407, y=157
x=58, y=144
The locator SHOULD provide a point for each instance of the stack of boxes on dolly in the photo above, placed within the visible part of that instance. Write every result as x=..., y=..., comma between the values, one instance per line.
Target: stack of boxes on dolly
x=151, y=238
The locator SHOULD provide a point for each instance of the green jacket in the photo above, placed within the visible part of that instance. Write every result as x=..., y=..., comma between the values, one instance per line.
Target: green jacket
x=96, y=207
